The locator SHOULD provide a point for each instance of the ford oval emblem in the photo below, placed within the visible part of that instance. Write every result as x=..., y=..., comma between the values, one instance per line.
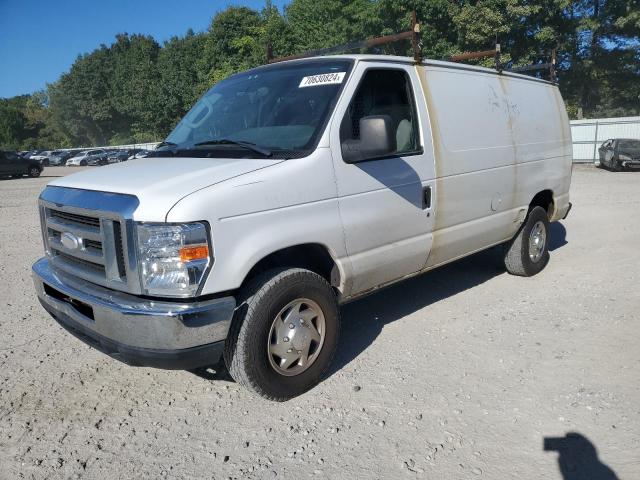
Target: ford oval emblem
x=70, y=241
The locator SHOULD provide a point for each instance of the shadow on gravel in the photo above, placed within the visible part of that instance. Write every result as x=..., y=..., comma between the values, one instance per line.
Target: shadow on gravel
x=363, y=320
x=216, y=372
x=578, y=458
x=558, y=236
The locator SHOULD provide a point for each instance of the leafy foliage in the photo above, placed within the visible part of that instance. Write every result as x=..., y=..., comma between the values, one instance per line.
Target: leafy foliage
x=136, y=90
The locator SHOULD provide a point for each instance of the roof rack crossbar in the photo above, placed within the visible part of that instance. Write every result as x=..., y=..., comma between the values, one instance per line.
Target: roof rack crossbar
x=460, y=57
x=551, y=66
x=530, y=67
x=413, y=35
x=495, y=53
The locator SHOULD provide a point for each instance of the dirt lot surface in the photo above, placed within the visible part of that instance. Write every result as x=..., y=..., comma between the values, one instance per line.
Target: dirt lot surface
x=460, y=373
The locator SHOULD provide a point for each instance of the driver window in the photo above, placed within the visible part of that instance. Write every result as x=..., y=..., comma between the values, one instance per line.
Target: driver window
x=384, y=92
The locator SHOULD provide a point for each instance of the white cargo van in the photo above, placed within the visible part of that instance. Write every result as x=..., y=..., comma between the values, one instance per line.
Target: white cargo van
x=292, y=188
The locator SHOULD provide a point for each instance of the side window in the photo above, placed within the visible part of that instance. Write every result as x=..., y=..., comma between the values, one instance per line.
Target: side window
x=629, y=144
x=384, y=92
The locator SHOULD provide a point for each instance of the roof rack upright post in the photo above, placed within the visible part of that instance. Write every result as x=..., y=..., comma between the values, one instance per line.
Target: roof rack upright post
x=269, y=52
x=497, y=58
x=416, y=42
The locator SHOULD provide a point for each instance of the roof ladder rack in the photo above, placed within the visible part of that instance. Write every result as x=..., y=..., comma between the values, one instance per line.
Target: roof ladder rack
x=461, y=57
x=551, y=66
x=413, y=35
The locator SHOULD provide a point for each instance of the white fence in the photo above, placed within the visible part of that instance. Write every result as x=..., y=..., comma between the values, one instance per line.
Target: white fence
x=588, y=135
x=143, y=146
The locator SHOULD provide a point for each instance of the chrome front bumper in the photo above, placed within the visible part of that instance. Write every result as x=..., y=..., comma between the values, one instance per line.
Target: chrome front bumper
x=138, y=331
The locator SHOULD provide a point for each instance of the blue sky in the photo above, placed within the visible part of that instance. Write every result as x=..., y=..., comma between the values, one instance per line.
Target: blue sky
x=40, y=39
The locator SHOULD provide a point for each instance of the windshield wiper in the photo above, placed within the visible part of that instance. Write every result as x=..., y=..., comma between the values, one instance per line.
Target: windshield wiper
x=248, y=145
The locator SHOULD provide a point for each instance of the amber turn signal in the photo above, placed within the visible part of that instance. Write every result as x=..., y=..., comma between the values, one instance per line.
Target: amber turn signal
x=197, y=252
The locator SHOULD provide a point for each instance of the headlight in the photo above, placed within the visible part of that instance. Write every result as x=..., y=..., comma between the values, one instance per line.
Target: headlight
x=622, y=156
x=173, y=259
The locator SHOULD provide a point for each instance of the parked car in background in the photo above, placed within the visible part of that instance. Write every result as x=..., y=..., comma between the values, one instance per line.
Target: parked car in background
x=12, y=164
x=87, y=157
x=27, y=155
x=619, y=153
x=118, y=156
x=42, y=157
x=141, y=154
x=98, y=157
x=60, y=158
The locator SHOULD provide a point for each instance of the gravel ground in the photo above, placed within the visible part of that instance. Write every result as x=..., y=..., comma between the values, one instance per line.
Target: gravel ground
x=460, y=373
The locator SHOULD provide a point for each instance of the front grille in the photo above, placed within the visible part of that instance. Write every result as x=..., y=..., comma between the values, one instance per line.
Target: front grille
x=94, y=249
x=79, y=263
x=76, y=219
x=117, y=233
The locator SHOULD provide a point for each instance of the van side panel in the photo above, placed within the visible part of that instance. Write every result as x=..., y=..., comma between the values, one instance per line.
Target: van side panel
x=498, y=140
x=542, y=138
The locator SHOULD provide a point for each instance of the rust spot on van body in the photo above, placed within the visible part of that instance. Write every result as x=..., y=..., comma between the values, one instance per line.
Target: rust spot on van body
x=438, y=158
x=504, y=83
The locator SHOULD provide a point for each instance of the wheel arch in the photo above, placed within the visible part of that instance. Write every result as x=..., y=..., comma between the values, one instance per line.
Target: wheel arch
x=544, y=199
x=312, y=256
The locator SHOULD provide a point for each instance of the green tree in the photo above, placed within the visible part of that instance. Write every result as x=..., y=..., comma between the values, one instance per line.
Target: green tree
x=179, y=80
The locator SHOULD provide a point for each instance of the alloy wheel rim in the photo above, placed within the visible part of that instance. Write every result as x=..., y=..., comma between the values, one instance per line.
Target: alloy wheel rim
x=537, y=241
x=296, y=337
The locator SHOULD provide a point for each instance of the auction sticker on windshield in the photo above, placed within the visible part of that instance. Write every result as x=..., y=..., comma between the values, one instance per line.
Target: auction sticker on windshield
x=322, y=79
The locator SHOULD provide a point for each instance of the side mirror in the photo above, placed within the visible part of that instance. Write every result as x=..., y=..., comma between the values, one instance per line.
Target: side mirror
x=377, y=139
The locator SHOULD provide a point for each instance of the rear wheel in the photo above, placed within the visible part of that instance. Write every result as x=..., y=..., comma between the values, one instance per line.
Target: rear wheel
x=528, y=252
x=33, y=172
x=284, y=333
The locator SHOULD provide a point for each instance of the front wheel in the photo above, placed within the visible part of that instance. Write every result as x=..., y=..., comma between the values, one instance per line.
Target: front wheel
x=528, y=252
x=34, y=172
x=284, y=333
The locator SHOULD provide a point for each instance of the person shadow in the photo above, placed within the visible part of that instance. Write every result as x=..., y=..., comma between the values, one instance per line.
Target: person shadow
x=557, y=236
x=578, y=458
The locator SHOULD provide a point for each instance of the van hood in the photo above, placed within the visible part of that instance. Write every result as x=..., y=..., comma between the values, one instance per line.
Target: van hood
x=160, y=182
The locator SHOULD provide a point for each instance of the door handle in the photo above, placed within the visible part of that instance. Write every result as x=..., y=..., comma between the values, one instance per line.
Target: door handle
x=426, y=197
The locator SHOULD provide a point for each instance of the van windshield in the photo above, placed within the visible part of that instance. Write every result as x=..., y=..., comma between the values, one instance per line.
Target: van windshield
x=276, y=111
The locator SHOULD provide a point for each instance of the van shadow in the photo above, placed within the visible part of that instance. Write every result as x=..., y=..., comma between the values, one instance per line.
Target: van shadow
x=578, y=458
x=363, y=320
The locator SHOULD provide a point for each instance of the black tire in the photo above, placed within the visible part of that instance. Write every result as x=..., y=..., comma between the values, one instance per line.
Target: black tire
x=517, y=258
x=246, y=353
x=83, y=163
x=34, y=172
